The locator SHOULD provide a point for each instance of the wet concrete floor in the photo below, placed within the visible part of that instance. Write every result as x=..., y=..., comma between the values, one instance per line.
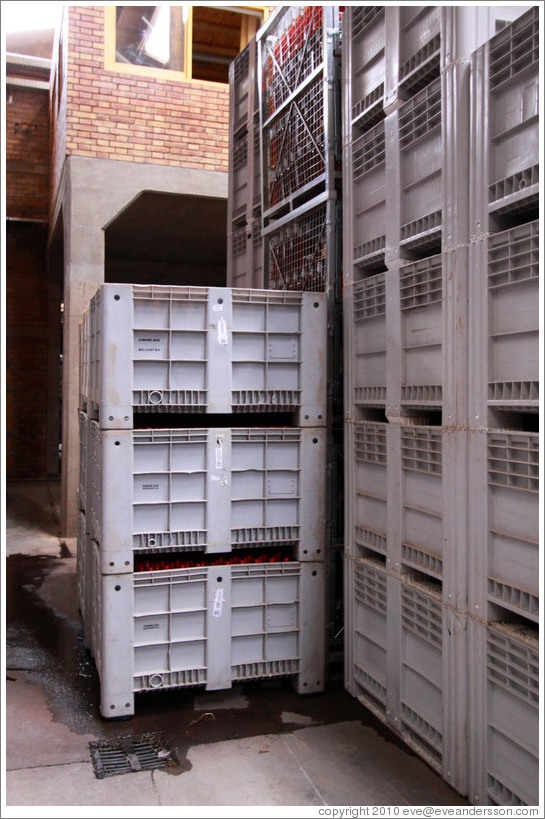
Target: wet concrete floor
x=45, y=652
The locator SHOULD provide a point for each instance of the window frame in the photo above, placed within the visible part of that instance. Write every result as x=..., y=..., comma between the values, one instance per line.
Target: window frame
x=151, y=72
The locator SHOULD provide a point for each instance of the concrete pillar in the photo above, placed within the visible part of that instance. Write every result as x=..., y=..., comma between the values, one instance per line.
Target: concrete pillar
x=94, y=193
x=83, y=273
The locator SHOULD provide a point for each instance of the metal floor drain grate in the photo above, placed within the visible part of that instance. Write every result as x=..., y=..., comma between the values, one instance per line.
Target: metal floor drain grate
x=130, y=754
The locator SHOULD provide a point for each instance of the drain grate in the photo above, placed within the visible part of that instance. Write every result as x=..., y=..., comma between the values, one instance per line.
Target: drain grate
x=130, y=754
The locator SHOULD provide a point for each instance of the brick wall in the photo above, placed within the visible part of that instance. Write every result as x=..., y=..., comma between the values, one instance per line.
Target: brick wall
x=27, y=153
x=113, y=115
x=28, y=336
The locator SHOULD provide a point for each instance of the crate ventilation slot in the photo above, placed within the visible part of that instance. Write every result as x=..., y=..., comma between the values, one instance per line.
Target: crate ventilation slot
x=514, y=49
x=418, y=70
x=500, y=794
x=363, y=18
x=370, y=443
x=131, y=754
x=370, y=298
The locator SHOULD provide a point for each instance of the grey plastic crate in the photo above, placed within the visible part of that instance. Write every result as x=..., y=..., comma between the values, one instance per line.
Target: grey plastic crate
x=211, y=626
x=405, y=661
x=364, y=35
x=422, y=332
x=405, y=185
x=504, y=524
x=83, y=460
x=156, y=348
x=244, y=266
x=366, y=639
x=504, y=742
x=206, y=489
x=84, y=361
x=300, y=98
x=81, y=567
x=422, y=499
x=367, y=159
x=367, y=489
x=391, y=52
x=505, y=131
x=365, y=309
x=513, y=521
x=505, y=320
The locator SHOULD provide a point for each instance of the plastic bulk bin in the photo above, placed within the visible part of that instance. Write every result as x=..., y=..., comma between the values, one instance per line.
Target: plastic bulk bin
x=366, y=640
x=419, y=49
x=422, y=331
x=207, y=489
x=504, y=524
x=422, y=499
x=81, y=567
x=505, y=282
x=366, y=370
x=367, y=489
x=84, y=361
x=421, y=149
x=505, y=133
x=513, y=319
x=211, y=626
x=83, y=459
x=504, y=738
x=368, y=208
x=405, y=661
x=164, y=349
x=513, y=521
x=364, y=37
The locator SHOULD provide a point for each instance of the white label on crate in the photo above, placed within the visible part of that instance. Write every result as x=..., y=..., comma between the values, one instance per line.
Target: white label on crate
x=218, y=603
x=218, y=308
x=222, y=331
x=219, y=452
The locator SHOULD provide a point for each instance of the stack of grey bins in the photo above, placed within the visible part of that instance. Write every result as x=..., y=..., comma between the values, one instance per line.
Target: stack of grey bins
x=284, y=204
x=441, y=373
x=201, y=537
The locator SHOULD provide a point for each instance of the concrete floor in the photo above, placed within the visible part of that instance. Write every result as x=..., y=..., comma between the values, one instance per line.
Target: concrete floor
x=258, y=744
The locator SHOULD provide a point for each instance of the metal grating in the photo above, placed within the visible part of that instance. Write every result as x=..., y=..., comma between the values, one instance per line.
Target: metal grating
x=295, y=144
x=297, y=254
x=131, y=754
x=291, y=54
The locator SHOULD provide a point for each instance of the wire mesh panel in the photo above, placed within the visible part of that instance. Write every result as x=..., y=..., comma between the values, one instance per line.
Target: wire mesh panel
x=297, y=254
x=297, y=103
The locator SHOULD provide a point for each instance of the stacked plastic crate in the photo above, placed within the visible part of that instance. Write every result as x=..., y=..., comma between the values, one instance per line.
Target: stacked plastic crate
x=244, y=243
x=300, y=144
x=503, y=401
x=202, y=537
x=406, y=78
x=405, y=279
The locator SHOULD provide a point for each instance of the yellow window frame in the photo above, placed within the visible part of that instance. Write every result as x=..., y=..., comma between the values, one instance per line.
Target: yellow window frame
x=111, y=64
